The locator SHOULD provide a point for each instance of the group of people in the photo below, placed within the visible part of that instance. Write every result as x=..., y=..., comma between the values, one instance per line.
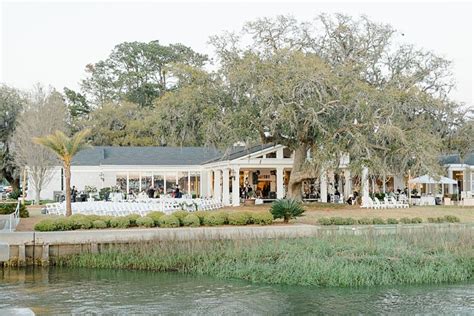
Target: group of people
x=154, y=192
x=246, y=191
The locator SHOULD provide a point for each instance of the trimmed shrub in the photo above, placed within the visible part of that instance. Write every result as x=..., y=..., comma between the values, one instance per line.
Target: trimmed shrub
x=416, y=220
x=133, y=219
x=378, y=221
x=262, y=218
x=286, y=209
x=405, y=220
x=180, y=215
x=94, y=217
x=215, y=218
x=238, y=218
x=452, y=219
x=191, y=220
x=168, y=221
x=45, y=225
x=107, y=219
x=145, y=221
x=120, y=222
x=8, y=208
x=392, y=221
x=337, y=220
x=432, y=220
x=65, y=223
x=200, y=215
x=365, y=221
x=155, y=215
x=99, y=224
x=80, y=221
x=325, y=221
x=349, y=221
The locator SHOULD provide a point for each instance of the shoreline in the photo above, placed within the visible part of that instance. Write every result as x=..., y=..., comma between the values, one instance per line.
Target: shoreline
x=424, y=257
x=39, y=248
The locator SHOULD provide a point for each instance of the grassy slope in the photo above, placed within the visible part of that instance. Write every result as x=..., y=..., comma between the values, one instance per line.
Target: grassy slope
x=326, y=261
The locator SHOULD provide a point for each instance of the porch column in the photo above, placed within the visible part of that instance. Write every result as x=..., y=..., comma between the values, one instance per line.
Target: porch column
x=450, y=186
x=365, y=182
x=323, y=180
x=279, y=182
x=225, y=187
x=217, y=184
x=465, y=177
x=128, y=184
x=236, y=187
x=209, y=184
x=339, y=184
x=332, y=183
x=348, y=184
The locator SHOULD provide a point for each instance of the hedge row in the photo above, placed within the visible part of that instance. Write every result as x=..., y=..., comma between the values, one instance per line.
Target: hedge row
x=444, y=219
x=381, y=221
x=8, y=208
x=155, y=219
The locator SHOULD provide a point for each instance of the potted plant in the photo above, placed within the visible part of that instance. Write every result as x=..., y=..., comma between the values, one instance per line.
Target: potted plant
x=250, y=200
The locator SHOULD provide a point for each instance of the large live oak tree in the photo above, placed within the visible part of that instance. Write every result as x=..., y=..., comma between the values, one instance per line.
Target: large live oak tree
x=332, y=87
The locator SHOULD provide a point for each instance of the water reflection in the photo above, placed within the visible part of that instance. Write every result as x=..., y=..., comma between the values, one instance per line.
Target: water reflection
x=60, y=290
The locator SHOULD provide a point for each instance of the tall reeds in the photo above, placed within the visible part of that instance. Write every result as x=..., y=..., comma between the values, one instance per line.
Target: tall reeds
x=337, y=260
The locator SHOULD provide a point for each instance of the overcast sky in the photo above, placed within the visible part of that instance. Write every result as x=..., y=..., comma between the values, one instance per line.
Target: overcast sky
x=51, y=42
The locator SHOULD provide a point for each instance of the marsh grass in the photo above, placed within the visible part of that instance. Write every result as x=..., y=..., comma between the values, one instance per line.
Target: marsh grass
x=335, y=260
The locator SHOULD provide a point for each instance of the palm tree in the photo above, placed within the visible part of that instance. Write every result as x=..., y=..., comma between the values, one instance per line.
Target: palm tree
x=65, y=148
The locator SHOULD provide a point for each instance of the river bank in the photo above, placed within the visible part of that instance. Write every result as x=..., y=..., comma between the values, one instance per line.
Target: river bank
x=329, y=260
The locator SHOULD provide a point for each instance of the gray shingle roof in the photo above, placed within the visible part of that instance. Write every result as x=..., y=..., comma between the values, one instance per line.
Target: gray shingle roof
x=241, y=151
x=455, y=159
x=105, y=155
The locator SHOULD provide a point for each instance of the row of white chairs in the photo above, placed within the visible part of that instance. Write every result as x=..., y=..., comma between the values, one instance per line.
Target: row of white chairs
x=142, y=208
x=388, y=202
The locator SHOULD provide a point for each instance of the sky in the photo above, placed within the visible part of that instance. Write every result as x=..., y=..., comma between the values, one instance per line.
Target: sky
x=51, y=42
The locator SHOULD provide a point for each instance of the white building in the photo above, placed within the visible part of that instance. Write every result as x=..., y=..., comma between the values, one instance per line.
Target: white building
x=206, y=172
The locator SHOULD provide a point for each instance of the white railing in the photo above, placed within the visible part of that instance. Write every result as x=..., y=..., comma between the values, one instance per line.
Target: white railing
x=11, y=220
x=15, y=218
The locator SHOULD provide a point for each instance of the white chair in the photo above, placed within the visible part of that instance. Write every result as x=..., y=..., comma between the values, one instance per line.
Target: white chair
x=380, y=205
x=367, y=202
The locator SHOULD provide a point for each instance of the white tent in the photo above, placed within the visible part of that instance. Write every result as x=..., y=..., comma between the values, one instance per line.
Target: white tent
x=429, y=181
x=426, y=179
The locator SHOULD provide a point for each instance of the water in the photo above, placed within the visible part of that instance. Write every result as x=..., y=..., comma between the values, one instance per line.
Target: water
x=77, y=291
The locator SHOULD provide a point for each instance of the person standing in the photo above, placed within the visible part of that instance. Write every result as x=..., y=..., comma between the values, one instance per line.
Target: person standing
x=73, y=193
x=151, y=191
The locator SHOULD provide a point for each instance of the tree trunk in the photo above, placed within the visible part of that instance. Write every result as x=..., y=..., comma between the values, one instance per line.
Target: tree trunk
x=67, y=173
x=297, y=174
x=38, y=195
x=14, y=182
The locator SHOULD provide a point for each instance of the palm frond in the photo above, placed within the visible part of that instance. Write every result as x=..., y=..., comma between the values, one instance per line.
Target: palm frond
x=63, y=146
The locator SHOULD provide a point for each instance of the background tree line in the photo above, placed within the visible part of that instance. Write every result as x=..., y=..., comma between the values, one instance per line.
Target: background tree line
x=332, y=86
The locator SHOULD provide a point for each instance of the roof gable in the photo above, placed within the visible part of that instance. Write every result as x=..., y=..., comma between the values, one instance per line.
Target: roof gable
x=242, y=151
